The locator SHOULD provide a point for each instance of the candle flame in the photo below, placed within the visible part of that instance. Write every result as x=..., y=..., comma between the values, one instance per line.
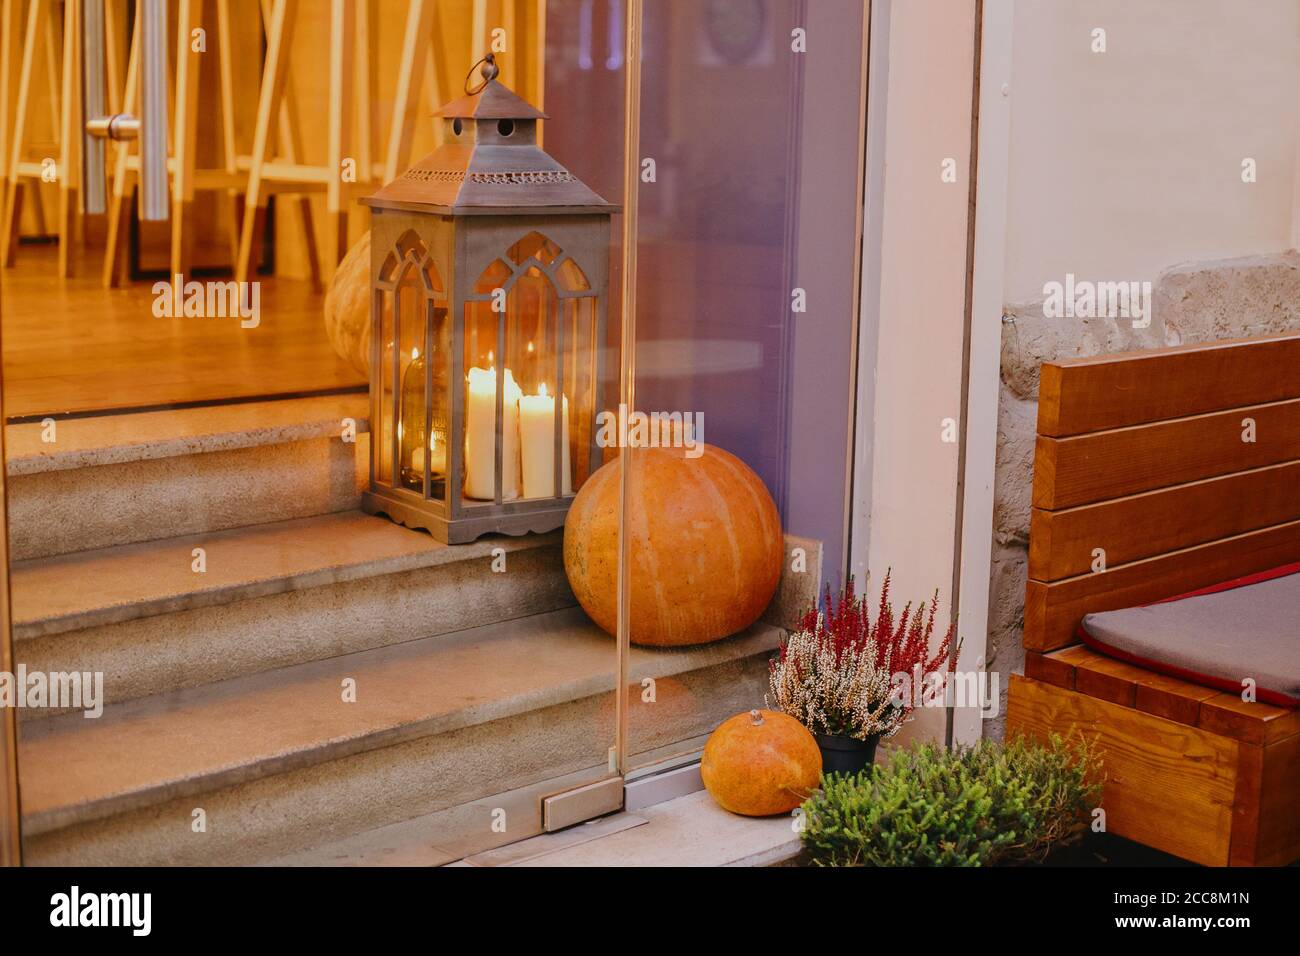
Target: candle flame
x=415, y=354
x=530, y=346
x=541, y=390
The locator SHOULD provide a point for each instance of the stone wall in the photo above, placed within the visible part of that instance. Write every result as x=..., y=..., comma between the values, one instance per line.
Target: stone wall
x=1195, y=302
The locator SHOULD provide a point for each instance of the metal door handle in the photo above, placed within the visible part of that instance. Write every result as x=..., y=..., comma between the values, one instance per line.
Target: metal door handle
x=151, y=130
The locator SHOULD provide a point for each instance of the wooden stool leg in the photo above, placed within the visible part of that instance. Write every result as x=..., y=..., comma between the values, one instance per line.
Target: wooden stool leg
x=226, y=59
x=69, y=137
x=185, y=131
x=11, y=58
x=361, y=98
x=290, y=149
x=478, y=30
x=342, y=17
x=13, y=196
x=114, y=271
x=279, y=33
x=406, y=100
x=539, y=62
x=435, y=94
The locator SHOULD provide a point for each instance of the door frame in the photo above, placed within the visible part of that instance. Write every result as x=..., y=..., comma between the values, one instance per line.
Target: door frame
x=10, y=806
x=930, y=313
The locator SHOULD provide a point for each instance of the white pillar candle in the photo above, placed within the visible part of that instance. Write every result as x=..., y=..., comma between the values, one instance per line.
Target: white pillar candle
x=480, y=436
x=537, y=444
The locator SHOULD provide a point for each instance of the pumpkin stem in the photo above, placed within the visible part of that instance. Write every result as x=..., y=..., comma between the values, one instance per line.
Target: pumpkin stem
x=755, y=718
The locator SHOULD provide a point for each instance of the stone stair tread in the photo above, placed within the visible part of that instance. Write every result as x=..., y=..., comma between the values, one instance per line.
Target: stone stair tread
x=110, y=585
x=143, y=752
x=137, y=436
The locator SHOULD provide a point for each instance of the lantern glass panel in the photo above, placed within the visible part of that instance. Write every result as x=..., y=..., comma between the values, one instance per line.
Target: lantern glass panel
x=385, y=407
x=580, y=387
x=534, y=246
x=484, y=375
x=424, y=425
x=411, y=431
x=494, y=277
x=571, y=277
x=534, y=356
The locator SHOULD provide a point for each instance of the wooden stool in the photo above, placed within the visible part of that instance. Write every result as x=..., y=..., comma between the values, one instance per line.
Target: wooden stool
x=289, y=174
x=63, y=79
x=347, y=56
x=417, y=47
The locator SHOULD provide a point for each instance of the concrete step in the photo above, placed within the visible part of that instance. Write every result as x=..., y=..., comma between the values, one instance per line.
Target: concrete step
x=119, y=479
x=447, y=836
x=279, y=762
x=688, y=831
x=272, y=595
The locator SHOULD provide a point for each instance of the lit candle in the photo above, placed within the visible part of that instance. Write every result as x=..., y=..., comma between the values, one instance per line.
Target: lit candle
x=537, y=443
x=437, y=462
x=480, y=436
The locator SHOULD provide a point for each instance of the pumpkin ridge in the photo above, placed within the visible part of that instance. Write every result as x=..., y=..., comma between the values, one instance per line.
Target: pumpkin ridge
x=728, y=526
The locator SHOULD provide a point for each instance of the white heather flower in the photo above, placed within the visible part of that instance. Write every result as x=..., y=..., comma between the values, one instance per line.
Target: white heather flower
x=852, y=697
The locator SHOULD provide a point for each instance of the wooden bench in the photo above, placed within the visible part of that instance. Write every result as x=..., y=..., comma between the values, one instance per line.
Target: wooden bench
x=1146, y=487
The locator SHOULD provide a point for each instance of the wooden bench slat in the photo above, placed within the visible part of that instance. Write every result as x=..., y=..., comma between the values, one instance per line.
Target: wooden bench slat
x=1082, y=669
x=1172, y=698
x=1054, y=609
x=1061, y=543
x=1254, y=723
x=1131, y=388
x=1056, y=667
x=1111, y=464
x=1108, y=679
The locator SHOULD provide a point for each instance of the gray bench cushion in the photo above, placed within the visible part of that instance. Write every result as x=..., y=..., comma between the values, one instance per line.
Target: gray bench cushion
x=1218, y=639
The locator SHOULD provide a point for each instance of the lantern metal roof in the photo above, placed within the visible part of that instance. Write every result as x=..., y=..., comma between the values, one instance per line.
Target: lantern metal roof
x=490, y=164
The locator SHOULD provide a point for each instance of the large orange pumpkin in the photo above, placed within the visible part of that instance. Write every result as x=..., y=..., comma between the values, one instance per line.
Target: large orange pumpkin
x=706, y=546
x=347, y=307
x=761, y=763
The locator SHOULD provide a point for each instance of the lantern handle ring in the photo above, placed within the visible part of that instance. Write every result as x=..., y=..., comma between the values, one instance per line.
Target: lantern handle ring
x=490, y=73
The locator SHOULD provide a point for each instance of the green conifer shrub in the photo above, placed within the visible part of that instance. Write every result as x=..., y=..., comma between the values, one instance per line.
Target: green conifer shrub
x=989, y=804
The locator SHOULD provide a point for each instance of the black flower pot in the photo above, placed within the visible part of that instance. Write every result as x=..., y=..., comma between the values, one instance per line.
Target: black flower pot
x=846, y=754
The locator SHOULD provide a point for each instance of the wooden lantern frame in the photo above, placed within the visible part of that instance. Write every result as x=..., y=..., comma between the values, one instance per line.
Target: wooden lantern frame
x=446, y=222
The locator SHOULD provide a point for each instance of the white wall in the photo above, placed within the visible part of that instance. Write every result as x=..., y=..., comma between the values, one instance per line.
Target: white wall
x=1125, y=162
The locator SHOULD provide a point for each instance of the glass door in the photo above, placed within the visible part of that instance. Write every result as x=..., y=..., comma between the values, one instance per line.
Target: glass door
x=751, y=134
x=10, y=843
x=306, y=325
x=313, y=322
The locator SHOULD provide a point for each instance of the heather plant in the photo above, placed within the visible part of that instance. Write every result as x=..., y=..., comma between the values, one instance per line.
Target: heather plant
x=838, y=672
x=981, y=806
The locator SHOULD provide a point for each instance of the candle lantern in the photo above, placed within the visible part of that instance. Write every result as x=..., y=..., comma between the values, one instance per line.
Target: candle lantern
x=489, y=279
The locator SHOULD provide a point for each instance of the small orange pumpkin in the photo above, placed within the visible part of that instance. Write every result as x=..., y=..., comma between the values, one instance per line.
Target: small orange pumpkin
x=761, y=763
x=706, y=546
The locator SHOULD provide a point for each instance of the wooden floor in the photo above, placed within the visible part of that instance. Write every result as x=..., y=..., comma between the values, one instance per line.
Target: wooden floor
x=72, y=346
